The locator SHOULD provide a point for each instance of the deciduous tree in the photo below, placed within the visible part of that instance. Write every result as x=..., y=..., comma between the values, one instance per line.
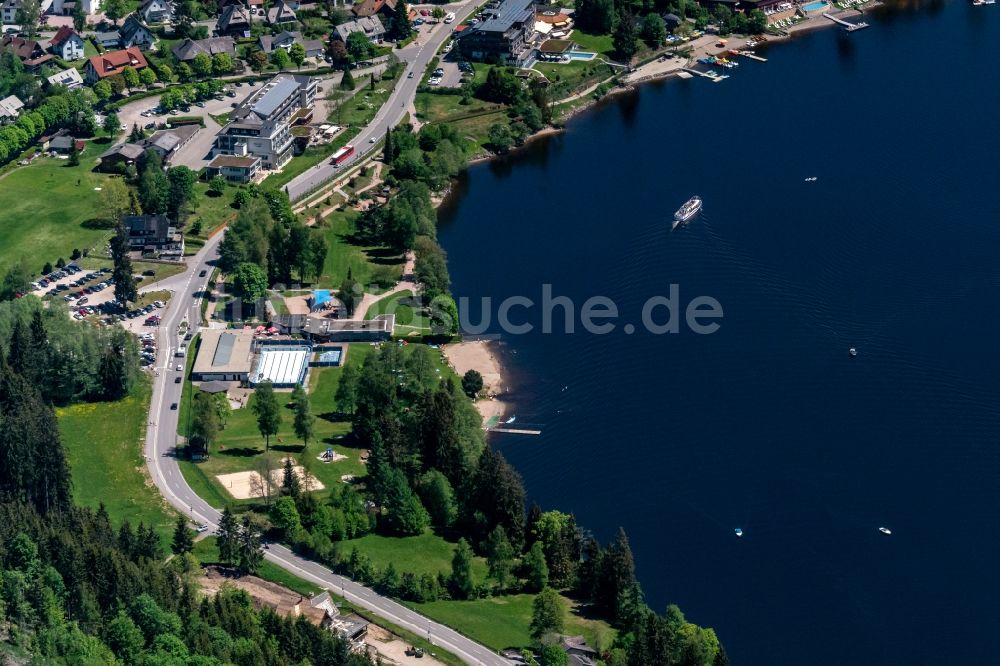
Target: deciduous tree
x=265, y=407
x=547, y=614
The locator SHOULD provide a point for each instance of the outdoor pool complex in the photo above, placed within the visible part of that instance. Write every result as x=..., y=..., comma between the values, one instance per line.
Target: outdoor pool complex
x=283, y=366
x=815, y=6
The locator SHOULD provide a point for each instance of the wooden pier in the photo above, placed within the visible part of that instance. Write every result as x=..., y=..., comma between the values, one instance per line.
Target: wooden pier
x=517, y=431
x=752, y=56
x=848, y=27
x=711, y=76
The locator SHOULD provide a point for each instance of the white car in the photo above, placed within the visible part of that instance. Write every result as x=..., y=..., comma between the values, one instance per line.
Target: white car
x=371, y=140
x=180, y=367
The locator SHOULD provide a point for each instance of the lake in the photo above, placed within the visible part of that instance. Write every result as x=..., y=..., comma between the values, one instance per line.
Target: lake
x=768, y=424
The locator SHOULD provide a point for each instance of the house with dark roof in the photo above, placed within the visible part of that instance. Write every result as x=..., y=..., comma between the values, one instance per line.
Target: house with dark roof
x=108, y=39
x=9, y=10
x=577, y=651
x=67, y=44
x=156, y=11
x=234, y=19
x=241, y=169
x=113, y=62
x=503, y=36
x=370, y=26
x=63, y=143
x=189, y=48
x=151, y=232
x=373, y=7
x=114, y=160
x=165, y=142
x=261, y=125
x=28, y=51
x=280, y=13
x=134, y=33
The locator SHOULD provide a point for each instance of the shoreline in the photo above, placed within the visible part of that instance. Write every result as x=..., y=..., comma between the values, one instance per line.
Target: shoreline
x=479, y=355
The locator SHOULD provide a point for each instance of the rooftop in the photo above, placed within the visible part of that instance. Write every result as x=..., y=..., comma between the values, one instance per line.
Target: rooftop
x=224, y=351
x=233, y=161
x=506, y=15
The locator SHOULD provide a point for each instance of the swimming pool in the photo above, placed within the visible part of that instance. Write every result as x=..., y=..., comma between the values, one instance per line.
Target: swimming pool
x=815, y=6
x=580, y=55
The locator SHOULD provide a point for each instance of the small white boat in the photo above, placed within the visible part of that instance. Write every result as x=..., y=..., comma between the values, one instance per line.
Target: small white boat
x=885, y=530
x=738, y=531
x=852, y=352
x=812, y=179
x=510, y=420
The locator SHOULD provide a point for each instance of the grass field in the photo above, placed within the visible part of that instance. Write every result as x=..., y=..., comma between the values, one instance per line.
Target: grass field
x=571, y=77
x=502, y=622
x=104, y=446
x=601, y=44
x=213, y=211
x=409, y=316
x=433, y=107
x=365, y=262
x=57, y=199
x=427, y=553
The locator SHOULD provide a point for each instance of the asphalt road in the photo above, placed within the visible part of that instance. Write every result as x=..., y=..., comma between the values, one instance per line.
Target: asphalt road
x=161, y=439
x=416, y=57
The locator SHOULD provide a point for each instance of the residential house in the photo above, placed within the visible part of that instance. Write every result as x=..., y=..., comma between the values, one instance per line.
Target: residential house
x=152, y=233
x=504, y=35
x=165, y=142
x=385, y=8
x=234, y=19
x=68, y=77
x=282, y=40
x=261, y=125
x=134, y=33
x=280, y=13
x=10, y=109
x=113, y=62
x=62, y=142
x=67, y=44
x=66, y=7
x=241, y=169
x=156, y=11
x=108, y=39
x=28, y=51
x=9, y=11
x=189, y=48
x=116, y=159
x=578, y=652
x=315, y=48
x=370, y=26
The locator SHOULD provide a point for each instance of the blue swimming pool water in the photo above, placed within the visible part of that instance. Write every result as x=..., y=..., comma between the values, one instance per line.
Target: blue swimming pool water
x=580, y=55
x=813, y=6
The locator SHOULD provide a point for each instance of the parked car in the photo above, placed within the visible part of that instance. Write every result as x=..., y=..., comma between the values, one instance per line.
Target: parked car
x=177, y=380
x=173, y=405
x=203, y=274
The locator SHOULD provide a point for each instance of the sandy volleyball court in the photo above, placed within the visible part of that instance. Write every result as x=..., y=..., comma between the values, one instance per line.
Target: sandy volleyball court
x=244, y=485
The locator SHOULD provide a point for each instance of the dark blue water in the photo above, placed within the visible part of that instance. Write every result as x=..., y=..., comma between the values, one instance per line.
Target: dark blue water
x=768, y=424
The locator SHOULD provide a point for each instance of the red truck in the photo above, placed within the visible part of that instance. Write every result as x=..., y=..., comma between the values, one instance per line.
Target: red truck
x=342, y=155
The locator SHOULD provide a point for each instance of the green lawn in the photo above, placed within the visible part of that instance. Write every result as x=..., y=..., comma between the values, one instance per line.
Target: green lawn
x=597, y=43
x=104, y=446
x=571, y=77
x=366, y=263
x=476, y=129
x=427, y=553
x=409, y=314
x=43, y=208
x=213, y=211
x=434, y=108
x=503, y=622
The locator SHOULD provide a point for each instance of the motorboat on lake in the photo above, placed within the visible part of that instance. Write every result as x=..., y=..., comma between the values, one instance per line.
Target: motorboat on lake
x=885, y=530
x=687, y=211
x=738, y=531
x=852, y=352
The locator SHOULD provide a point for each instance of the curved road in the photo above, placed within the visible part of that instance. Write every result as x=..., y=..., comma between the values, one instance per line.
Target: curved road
x=400, y=102
x=161, y=439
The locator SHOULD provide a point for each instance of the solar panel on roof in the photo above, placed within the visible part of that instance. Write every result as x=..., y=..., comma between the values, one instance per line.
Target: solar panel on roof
x=275, y=97
x=224, y=350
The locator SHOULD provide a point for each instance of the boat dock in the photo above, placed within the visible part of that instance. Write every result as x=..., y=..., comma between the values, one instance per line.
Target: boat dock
x=849, y=27
x=711, y=75
x=517, y=431
x=751, y=55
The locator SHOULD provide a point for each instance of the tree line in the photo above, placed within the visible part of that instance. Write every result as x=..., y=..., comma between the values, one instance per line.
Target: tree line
x=66, y=360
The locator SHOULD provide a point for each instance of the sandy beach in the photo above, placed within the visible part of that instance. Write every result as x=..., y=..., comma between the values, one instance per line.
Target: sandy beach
x=478, y=355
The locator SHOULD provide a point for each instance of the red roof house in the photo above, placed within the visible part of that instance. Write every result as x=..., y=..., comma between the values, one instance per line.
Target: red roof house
x=113, y=62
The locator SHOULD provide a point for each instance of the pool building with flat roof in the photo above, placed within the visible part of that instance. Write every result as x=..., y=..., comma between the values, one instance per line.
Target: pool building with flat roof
x=283, y=365
x=223, y=355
